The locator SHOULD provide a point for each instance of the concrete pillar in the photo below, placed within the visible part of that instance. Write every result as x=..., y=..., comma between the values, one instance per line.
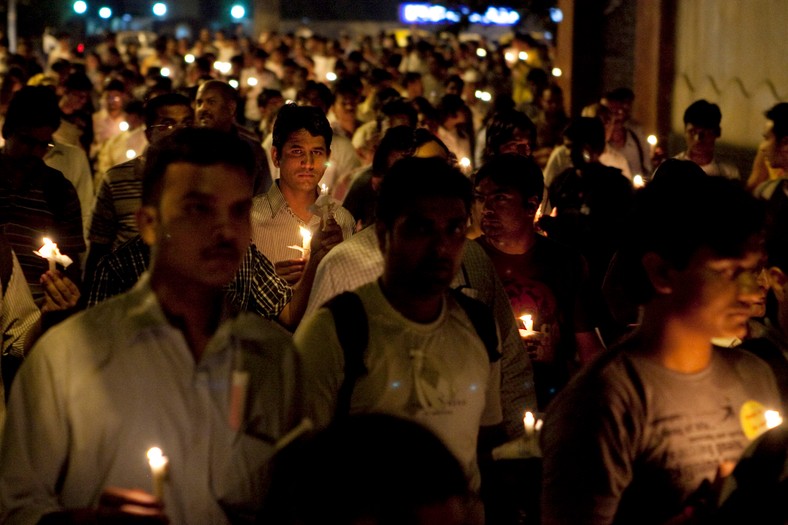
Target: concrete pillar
x=267, y=16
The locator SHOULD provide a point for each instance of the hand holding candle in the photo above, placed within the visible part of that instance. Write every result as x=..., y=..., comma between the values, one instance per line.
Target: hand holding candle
x=324, y=205
x=158, y=468
x=50, y=252
x=306, y=242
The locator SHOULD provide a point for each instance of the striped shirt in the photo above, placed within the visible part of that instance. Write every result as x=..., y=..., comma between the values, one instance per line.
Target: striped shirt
x=255, y=288
x=119, y=197
x=358, y=261
x=275, y=226
x=43, y=204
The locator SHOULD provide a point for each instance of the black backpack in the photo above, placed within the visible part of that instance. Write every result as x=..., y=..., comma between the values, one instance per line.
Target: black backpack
x=352, y=327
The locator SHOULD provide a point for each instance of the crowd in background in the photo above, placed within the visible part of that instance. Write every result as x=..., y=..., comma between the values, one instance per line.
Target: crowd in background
x=554, y=227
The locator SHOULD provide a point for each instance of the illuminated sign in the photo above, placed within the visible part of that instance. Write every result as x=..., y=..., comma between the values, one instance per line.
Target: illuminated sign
x=436, y=14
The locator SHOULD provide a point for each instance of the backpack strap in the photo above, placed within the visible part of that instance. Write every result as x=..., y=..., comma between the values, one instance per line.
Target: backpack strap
x=352, y=328
x=483, y=321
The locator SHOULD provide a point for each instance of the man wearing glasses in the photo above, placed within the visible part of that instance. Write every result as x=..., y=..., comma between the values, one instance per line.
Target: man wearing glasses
x=120, y=192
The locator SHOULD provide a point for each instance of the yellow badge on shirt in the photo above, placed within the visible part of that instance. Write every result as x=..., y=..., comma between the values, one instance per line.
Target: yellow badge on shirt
x=753, y=419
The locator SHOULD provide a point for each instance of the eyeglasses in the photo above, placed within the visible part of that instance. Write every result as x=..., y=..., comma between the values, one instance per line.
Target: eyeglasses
x=170, y=127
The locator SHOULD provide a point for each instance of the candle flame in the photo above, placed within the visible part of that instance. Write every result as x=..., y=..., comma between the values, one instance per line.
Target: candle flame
x=156, y=458
x=773, y=418
x=306, y=235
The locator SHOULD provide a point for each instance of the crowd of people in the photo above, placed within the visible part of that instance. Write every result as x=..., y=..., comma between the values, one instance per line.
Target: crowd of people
x=328, y=279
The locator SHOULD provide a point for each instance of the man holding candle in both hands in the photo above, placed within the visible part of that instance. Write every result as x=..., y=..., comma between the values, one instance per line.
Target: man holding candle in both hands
x=301, y=149
x=163, y=365
x=642, y=434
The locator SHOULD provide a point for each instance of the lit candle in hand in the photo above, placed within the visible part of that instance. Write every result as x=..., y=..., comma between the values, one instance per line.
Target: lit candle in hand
x=529, y=422
x=306, y=242
x=158, y=467
x=51, y=253
x=528, y=324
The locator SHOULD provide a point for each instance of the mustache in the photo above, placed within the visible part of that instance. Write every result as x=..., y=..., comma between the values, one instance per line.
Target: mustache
x=222, y=249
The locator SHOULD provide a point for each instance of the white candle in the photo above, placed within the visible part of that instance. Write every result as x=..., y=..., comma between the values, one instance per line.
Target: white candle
x=51, y=253
x=158, y=467
x=528, y=322
x=303, y=427
x=529, y=422
x=306, y=240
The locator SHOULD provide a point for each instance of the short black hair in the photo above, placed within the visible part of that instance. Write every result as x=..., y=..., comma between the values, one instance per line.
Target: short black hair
x=703, y=114
x=153, y=105
x=503, y=126
x=31, y=107
x=78, y=81
x=227, y=92
x=398, y=106
x=622, y=94
x=266, y=95
x=412, y=179
x=778, y=114
x=682, y=210
x=292, y=118
x=406, y=139
x=200, y=146
x=345, y=478
x=448, y=106
x=586, y=131
x=522, y=174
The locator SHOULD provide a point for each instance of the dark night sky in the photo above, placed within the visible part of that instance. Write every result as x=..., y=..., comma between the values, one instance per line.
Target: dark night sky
x=340, y=9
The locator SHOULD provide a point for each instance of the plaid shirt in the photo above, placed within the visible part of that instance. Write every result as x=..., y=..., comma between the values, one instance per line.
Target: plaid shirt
x=255, y=288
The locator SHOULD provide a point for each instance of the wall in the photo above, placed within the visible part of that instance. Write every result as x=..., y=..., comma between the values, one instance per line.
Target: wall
x=733, y=53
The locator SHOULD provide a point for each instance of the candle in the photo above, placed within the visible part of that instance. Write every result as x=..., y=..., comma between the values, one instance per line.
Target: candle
x=158, y=467
x=51, y=253
x=306, y=242
x=529, y=422
x=637, y=181
x=528, y=322
x=773, y=418
x=303, y=427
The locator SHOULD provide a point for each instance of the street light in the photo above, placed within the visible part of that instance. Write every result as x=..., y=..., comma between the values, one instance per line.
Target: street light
x=237, y=11
x=159, y=9
x=80, y=7
x=105, y=12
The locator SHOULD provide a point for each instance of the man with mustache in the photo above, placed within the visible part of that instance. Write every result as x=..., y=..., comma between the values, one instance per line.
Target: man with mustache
x=215, y=107
x=423, y=357
x=165, y=365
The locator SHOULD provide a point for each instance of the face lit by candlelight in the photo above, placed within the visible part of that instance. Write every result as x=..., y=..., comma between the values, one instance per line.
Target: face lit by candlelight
x=716, y=294
x=200, y=229
x=504, y=214
x=301, y=161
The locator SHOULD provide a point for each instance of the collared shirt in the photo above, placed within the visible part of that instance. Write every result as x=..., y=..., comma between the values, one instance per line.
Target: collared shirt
x=118, y=198
x=111, y=382
x=275, y=226
x=73, y=163
x=358, y=261
x=255, y=288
